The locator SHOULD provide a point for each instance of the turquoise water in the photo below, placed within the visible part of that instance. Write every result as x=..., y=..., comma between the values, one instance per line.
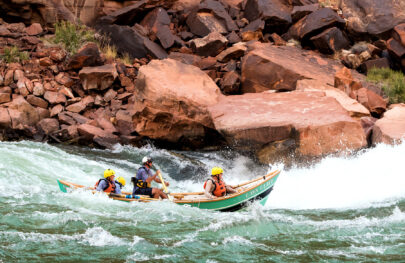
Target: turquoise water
x=342, y=209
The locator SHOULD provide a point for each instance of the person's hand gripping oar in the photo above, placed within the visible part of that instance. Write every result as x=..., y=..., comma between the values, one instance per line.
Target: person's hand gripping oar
x=164, y=186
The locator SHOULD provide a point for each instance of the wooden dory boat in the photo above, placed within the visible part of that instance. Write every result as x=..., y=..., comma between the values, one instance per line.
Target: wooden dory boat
x=254, y=190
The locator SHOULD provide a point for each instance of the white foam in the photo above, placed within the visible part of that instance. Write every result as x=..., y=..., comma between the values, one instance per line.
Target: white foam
x=99, y=237
x=371, y=178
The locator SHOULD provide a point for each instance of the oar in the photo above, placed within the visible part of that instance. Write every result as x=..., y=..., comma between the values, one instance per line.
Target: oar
x=164, y=186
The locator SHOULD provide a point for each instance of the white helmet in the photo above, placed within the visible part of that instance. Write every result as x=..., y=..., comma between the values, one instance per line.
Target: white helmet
x=146, y=159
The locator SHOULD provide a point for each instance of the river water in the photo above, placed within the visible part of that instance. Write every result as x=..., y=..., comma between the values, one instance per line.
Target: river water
x=340, y=209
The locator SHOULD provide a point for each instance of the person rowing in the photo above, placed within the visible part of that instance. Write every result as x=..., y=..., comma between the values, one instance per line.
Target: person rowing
x=216, y=186
x=143, y=179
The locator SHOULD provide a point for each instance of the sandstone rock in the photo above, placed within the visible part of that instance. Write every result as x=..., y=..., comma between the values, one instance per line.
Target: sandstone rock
x=318, y=124
x=125, y=124
x=22, y=88
x=399, y=33
x=38, y=89
x=4, y=97
x=204, y=23
x=352, y=106
x=100, y=77
x=57, y=54
x=278, y=41
x=36, y=101
x=101, y=137
x=344, y=81
x=48, y=125
x=233, y=38
x=314, y=23
x=45, y=62
x=76, y=107
x=109, y=95
x=56, y=110
x=211, y=45
x=34, y=29
x=230, y=83
x=129, y=40
x=86, y=56
x=234, y=52
x=18, y=74
x=373, y=17
x=54, y=97
x=372, y=101
x=391, y=128
x=64, y=79
x=299, y=12
x=279, y=68
x=9, y=77
x=395, y=48
x=5, y=89
x=276, y=14
x=158, y=22
x=217, y=8
x=330, y=41
x=189, y=59
x=22, y=113
x=106, y=125
x=375, y=63
x=5, y=120
x=171, y=102
x=368, y=123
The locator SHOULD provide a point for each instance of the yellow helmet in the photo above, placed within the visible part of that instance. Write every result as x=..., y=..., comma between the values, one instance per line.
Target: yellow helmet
x=121, y=180
x=216, y=170
x=108, y=173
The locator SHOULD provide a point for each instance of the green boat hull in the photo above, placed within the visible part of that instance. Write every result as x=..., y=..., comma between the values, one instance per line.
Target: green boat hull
x=260, y=194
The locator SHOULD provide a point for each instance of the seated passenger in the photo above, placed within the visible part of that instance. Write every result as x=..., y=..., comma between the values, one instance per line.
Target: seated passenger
x=216, y=186
x=108, y=184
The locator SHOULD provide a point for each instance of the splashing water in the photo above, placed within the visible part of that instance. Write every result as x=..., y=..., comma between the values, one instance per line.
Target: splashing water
x=341, y=209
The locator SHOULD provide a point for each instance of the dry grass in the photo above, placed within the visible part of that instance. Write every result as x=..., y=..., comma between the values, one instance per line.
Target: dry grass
x=126, y=59
x=109, y=51
x=329, y=3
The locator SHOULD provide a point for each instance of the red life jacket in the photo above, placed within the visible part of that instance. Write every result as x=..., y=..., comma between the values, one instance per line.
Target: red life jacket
x=219, y=188
x=110, y=186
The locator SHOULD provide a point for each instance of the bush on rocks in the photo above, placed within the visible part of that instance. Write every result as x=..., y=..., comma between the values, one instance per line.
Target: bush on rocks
x=392, y=82
x=13, y=54
x=72, y=36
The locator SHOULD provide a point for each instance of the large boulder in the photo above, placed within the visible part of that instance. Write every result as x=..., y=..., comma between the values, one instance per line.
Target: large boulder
x=268, y=67
x=5, y=120
x=22, y=113
x=158, y=24
x=352, y=106
x=391, y=128
x=316, y=123
x=129, y=40
x=210, y=16
x=314, y=24
x=275, y=13
x=372, y=17
x=171, y=102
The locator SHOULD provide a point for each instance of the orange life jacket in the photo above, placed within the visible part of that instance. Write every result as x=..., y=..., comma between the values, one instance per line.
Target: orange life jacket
x=110, y=188
x=219, y=188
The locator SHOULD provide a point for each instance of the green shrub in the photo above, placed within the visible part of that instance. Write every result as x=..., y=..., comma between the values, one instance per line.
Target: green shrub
x=72, y=36
x=13, y=54
x=392, y=83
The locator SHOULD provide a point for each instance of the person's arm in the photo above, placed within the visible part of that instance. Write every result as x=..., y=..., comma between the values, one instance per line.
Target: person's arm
x=117, y=188
x=147, y=178
x=208, y=188
x=101, y=186
x=157, y=179
x=230, y=190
